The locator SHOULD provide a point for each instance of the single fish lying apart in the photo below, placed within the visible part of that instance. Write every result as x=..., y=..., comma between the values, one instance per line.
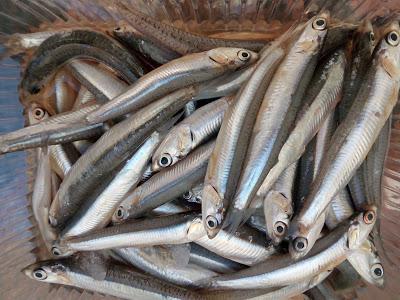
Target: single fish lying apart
x=172, y=165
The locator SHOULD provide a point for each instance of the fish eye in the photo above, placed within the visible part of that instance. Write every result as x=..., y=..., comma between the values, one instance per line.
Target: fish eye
x=300, y=244
x=393, y=38
x=212, y=222
x=280, y=228
x=187, y=195
x=377, y=271
x=371, y=36
x=244, y=55
x=39, y=274
x=319, y=24
x=120, y=213
x=117, y=29
x=369, y=217
x=55, y=251
x=39, y=113
x=165, y=160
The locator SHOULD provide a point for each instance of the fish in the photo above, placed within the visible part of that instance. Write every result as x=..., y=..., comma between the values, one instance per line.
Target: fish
x=21, y=42
x=367, y=263
x=98, y=212
x=274, y=116
x=194, y=130
x=177, y=40
x=232, y=140
x=62, y=157
x=313, y=116
x=353, y=138
x=165, y=185
x=156, y=262
x=278, y=206
x=42, y=196
x=202, y=257
x=340, y=209
x=84, y=96
x=39, y=70
x=111, y=149
x=174, y=207
x=96, y=273
x=65, y=96
x=99, y=82
x=281, y=271
x=179, y=73
x=189, y=109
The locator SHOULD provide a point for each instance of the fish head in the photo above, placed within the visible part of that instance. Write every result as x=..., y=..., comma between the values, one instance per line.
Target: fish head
x=277, y=211
x=388, y=51
x=60, y=249
x=365, y=38
x=212, y=206
x=360, y=228
x=37, y=114
x=121, y=213
x=176, y=145
x=367, y=263
x=52, y=271
x=302, y=239
x=314, y=33
x=232, y=58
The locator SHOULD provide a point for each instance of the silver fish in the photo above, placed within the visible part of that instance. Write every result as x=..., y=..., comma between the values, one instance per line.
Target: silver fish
x=336, y=247
x=190, y=133
x=156, y=262
x=84, y=96
x=165, y=185
x=353, y=138
x=339, y=209
x=274, y=116
x=232, y=142
x=98, y=213
x=62, y=158
x=189, y=108
x=96, y=274
x=181, y=72
x=99, y=82
x=116, y=145
x=310, y=121
x=65, y=96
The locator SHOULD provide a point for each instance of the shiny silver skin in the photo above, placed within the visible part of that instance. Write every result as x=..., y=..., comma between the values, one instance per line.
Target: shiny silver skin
x=155, y=261
x=194, y=130
x=65, y=96
x=278, y=205
x=84, y=96
x=202, y=257
x=42, y=196
x=367, y=263
x=98, y=213
x=339, y=210
x=333, y=250
x=181, y=72
x=354, y=137
x=189, y=109
x=166, y=185
x=278, y=109
x=62, y=158
x=232, y=141
x=98, y=275
x=98, y=81
x=112, y=148
x=308, y=124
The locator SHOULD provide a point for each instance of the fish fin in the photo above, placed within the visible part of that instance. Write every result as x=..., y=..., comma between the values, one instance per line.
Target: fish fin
x=234, y=220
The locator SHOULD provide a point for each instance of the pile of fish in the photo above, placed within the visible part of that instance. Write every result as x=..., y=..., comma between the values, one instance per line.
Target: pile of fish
x=180, y=166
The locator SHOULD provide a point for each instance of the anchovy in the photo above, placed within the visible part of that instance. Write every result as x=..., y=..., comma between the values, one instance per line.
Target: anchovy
x=62, y=157
x=113, y=147
x=65, y=97
x=336, y=247
x=340, y=209
x=309, y=122
x=178, y=40
x=165, y=185
x=176, y=74
x=190, y=133
x=274, y=116
x=84, y=96
x=232, y=142
x=100, y=83
x=155, y=261
x=96, y=274
x=98, y=212
x=354, y=137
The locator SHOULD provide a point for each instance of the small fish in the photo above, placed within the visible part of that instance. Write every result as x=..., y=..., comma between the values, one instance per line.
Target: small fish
x=330, y=252
x=98, y=212
x=190, y=133
x=62, y=157
x=340, y=209
x=354, y=137
x=65, y=96
x=111, y=149
x=166, y=185
x=95, y=273
x=84, y=96
x=181, y=72
x=274, y=117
